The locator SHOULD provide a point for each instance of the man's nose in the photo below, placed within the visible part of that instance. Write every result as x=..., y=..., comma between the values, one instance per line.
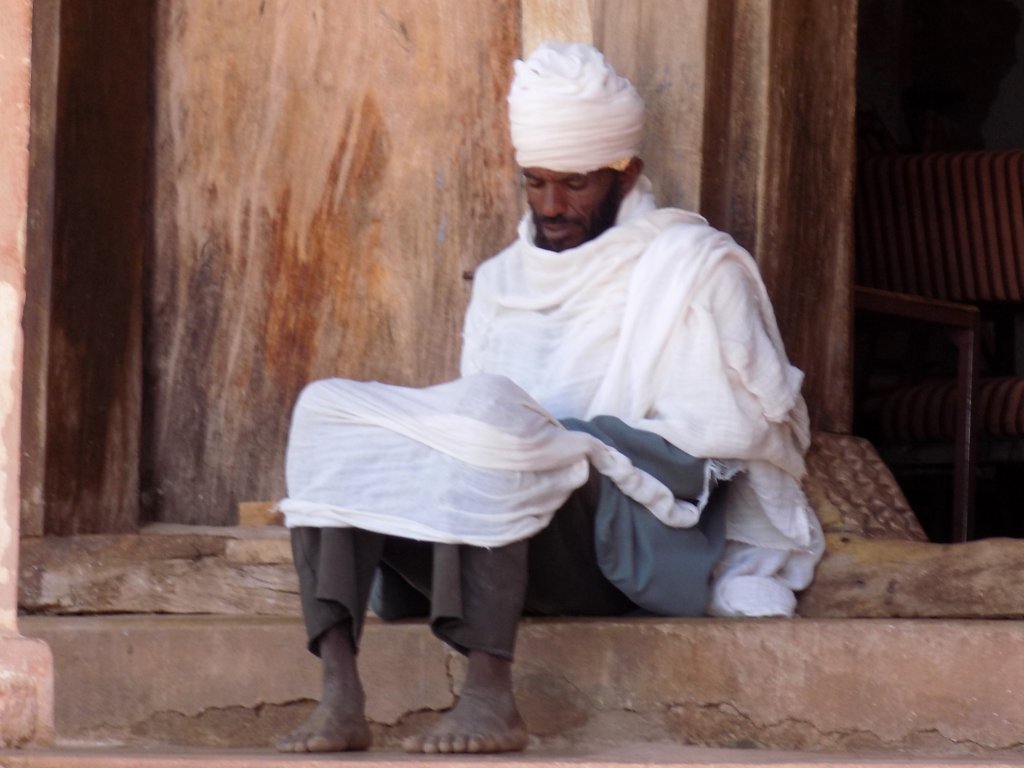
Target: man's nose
x=552, y=200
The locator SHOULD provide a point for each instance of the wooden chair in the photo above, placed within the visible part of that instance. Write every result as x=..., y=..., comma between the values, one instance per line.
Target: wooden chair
x=940, y=245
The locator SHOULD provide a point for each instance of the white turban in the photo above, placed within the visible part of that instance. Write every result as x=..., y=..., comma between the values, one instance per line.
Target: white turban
x=570, y=112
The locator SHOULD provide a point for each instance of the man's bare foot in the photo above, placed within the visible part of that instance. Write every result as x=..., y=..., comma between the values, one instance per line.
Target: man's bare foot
x=325, y=731
x=338, y=724
x=485, y=719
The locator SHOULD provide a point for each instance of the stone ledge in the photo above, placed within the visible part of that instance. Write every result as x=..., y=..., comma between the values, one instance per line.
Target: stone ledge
x=874, y=578
x=944, y=688
x=164, y=569
x=248, y=571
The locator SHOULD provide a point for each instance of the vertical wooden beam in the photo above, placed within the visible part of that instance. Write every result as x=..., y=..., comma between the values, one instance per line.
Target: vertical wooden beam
x=779, y=122
x=735, y=118
x=94, y=382
x=805, y=243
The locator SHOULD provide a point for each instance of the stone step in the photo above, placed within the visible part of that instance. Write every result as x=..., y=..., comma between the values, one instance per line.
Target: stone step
x=939, y=688
x=247, y=570
x=635, y=755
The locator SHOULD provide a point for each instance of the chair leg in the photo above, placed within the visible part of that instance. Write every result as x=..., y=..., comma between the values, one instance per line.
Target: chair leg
x=966, y=429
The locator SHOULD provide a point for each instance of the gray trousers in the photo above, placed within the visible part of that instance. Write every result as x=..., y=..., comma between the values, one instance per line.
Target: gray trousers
x=475, y=596
x=603, y=554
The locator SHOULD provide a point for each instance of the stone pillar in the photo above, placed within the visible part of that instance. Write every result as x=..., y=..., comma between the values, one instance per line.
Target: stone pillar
x=26, y=666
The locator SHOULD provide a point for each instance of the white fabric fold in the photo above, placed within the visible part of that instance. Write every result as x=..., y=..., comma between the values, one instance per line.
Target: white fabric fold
x=664, y=322
x=474, y=461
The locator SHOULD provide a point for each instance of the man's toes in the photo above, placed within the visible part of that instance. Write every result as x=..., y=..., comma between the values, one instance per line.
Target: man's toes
x=420, y=743
x=288, y=743
x=464, y=743
x=481, y=743
x=430, y=744
x=317, y=743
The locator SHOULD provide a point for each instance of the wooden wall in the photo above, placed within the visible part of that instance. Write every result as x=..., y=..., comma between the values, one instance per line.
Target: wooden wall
x=319, y=182
x=323, y=180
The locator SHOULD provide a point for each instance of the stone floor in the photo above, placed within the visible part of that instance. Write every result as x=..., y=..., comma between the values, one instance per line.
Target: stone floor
x=632, y=755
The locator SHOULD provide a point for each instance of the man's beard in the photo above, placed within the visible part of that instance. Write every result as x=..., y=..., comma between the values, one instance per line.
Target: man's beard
x=602, y=220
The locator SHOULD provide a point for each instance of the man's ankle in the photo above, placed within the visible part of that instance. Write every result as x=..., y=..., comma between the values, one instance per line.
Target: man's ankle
x=487, y=672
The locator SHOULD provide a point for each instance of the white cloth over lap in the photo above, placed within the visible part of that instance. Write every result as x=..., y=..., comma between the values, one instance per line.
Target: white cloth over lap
x=473, y=461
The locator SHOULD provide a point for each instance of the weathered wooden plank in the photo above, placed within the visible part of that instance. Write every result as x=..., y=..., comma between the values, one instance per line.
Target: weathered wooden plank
x=259, y=513
x=230, y=572
x=94, y=385
x=806, y=241
x=909, y=579
x=734, y=117
x=324, y=176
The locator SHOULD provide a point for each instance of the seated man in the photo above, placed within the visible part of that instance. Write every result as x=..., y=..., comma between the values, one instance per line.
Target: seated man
x=627, y=435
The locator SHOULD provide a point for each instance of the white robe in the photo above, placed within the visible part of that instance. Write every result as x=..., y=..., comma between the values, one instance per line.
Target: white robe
x=662, y=321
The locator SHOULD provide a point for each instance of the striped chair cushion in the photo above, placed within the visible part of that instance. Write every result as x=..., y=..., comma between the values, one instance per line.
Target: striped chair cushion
x=943, y=225
x=927, y=412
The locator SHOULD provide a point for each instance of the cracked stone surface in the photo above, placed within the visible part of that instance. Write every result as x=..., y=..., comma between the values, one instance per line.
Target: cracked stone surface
x=944, y=688
x=125, y=677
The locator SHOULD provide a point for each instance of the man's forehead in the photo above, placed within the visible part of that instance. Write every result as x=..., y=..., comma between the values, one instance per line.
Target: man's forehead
x=547, y=174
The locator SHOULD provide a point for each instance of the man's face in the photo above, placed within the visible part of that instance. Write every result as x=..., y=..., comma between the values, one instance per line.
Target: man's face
x=570, y=209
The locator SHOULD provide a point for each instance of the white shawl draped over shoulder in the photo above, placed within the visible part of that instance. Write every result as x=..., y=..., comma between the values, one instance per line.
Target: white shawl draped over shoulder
x=664, y=322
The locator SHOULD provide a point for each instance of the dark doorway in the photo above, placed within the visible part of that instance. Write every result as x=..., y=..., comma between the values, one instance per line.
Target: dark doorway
x=940, y=76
